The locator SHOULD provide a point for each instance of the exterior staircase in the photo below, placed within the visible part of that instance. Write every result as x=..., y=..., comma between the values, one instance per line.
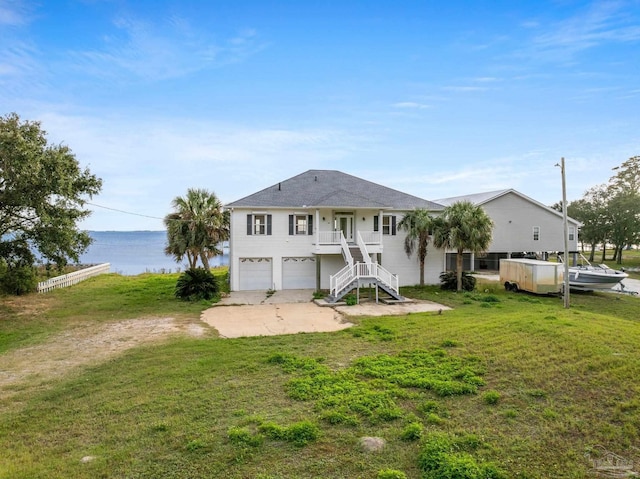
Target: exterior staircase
x=360, y=271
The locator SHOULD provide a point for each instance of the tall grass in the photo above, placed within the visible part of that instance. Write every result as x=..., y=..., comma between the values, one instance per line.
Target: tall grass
x=561, y=383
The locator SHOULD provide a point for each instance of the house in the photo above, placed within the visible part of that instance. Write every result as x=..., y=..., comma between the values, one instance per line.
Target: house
x=314, y=229
x=522, y=226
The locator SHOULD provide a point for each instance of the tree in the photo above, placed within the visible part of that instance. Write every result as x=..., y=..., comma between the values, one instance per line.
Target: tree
x=42, y=194
x=417, y=224
x=624, y=206
x=197, y=227
x=463, y=226
x=591, y=211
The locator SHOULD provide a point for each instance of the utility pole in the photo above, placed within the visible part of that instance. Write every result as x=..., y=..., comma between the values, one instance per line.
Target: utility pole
x=566, y=236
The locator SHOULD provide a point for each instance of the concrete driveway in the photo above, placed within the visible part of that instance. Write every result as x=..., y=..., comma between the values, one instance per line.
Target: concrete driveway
x=256, y=313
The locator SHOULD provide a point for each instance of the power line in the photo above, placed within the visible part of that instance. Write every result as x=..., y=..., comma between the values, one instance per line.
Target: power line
x=125, y=212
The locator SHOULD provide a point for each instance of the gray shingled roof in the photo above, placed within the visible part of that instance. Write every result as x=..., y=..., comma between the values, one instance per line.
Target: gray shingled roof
x=476, y=198
x=334, y=189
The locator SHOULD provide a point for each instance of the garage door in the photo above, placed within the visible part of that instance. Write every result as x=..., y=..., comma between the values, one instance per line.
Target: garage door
x=298, y=273
x=255, y=273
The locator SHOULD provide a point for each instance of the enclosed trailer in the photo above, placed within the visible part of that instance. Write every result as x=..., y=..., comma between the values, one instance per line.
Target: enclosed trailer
x=532, y=275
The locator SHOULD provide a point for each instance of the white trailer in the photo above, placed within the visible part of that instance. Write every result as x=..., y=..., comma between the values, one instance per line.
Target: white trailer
x=532, y=275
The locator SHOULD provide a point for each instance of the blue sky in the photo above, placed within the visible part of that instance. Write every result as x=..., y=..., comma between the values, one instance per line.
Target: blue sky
x=432, y=98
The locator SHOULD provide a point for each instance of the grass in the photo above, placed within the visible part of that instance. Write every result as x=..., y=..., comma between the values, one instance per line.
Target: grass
x=549, y=385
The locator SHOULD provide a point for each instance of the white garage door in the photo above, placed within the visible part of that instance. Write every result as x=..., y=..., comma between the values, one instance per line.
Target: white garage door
x=298, y=273
x=255, y=273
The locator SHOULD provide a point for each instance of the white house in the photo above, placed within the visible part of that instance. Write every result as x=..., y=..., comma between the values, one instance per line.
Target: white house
x=521, y=226
x=302, y=232
x=312, y=231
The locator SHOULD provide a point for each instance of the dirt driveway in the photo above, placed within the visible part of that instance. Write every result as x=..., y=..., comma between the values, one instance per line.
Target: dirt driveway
x=256, y=313
x=243, y=314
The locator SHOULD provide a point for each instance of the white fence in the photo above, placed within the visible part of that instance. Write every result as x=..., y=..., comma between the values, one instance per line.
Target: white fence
x=72, y=278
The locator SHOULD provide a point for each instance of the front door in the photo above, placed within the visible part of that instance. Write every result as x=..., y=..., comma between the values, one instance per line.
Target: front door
x=344, y=223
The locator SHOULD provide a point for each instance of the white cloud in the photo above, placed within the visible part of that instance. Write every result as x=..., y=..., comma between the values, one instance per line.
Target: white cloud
x=14, y=13
x=146, y=163
x=163, y=51
x=602, y=22
x=411, y=105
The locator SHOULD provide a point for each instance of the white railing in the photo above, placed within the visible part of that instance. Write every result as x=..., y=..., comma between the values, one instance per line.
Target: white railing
x=329, y=237
x=363, y=248
x=333, y=237
x=387, y=277
x=348, y=274
x=340, y=280
x=345, y=250
x=370, y=237
x=72, y=278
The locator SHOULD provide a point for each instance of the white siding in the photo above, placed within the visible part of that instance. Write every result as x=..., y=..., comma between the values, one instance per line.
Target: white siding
x=395, y=260
x=514, y=218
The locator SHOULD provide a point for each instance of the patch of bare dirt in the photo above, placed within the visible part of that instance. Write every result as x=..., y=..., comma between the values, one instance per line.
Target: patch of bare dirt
x=35, y=365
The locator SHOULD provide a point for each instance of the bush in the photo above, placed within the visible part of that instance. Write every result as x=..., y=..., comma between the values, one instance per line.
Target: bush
x=241, y=436
x=449, y=281
x=302, y=433
x=412, y=432
x=196, y=284
x=18, y=280
x=391, y=474
x=443, y=455
x=491, y=397
x=351, y=299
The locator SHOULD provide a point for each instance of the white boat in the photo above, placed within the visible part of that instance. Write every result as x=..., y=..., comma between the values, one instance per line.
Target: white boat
x=586, y=276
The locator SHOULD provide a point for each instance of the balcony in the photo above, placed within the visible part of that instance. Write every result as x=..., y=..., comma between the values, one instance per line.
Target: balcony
x=329, y=242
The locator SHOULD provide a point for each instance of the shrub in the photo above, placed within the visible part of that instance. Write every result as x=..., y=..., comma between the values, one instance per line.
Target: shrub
x=18, y=280
x=273, y=430
x=241, y=436
x=351, y=299
x=196, y=284
x=412, y=432
x=490, y=298
x=491, y=397
x=302, y=433
x=391, y=474
x=445, y=456
x=337, y=417
x=449, y=281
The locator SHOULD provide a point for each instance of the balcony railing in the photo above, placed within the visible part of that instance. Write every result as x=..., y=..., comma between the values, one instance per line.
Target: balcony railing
x=334, y=237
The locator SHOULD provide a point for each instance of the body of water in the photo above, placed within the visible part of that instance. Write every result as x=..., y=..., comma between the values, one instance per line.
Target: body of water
x=135, y=252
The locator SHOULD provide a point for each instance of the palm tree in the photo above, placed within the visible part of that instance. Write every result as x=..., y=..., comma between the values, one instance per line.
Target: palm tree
x=417, y=224
x=196, y=227
x=463, y=226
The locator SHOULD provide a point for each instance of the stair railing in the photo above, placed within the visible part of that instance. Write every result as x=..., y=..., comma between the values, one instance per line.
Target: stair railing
x=363, y=248
x=345, y=250
x=340, y=280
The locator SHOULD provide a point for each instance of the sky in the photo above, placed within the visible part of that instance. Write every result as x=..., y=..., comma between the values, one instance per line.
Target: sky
x=433, y=98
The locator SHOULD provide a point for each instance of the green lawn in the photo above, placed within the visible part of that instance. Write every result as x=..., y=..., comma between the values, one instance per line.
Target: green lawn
x=505, y=385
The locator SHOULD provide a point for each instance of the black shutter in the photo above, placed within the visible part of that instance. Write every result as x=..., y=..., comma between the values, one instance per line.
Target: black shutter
x=393, y=225
x=268, y=224
x=310, y=224
x=290, y=225
x=249, y=224
x=375, y=223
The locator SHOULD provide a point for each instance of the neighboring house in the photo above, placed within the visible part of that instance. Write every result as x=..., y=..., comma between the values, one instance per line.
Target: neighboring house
x=521, y=225
x=313, y=230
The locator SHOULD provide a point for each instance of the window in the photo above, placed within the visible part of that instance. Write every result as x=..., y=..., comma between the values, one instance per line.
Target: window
x=572, y=233
x=536, y=233
x=300, y=224
x=388, y=224
x=258, y=224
